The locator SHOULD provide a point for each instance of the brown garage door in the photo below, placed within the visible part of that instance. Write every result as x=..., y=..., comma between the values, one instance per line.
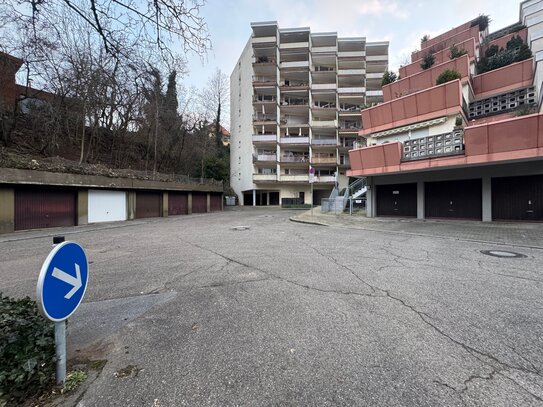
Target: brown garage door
x=517, y=198
x=215, y=202
x=43, y=208
x=148, y=204
x=397, y=200
x=199, y=202
x=460, y=199
x=178, y=203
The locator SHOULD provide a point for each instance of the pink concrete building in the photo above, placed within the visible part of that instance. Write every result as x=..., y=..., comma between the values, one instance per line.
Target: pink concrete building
x=468, y=148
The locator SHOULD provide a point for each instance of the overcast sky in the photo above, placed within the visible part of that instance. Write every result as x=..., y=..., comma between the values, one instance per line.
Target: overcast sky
x=402, y=22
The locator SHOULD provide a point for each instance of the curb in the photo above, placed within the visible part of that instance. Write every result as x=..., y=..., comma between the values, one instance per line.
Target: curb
x=308, y=222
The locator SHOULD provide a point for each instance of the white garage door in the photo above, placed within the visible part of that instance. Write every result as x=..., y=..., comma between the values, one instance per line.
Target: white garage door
x=106, y=206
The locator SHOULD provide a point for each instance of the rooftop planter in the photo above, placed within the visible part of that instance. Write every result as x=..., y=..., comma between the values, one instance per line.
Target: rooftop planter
x=442, y=100
x=425, y=79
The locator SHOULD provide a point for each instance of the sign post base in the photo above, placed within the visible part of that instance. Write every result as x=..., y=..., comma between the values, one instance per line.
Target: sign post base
x=60, y=351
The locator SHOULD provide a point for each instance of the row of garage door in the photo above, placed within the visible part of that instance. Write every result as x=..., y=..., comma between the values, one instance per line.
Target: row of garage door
x=513, y=198
x=49, y=207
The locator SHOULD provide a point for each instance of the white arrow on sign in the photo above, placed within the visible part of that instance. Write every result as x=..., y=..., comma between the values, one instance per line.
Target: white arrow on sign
x=69, y=279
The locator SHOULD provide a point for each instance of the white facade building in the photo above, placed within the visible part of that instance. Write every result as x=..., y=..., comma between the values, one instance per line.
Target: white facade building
x=295, y=100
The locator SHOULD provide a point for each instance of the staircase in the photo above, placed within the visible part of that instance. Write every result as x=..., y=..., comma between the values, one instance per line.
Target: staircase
x=358, y=188
x=339, y=200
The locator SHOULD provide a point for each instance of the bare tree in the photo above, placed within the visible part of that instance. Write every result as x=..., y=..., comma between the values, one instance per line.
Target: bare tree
x=161, y=23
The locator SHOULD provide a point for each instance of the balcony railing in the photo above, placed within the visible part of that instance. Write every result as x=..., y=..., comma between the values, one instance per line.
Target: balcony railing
x=294, y=140
x=325, y=178
x=264, y=177
x=264, y=157
x=293, y=84
x=324, y=160
x=502, y=103
x=351, y=90
x=264, y=81
x=324, y=123
x=324, y=141
x=294, y=178
x=264, y=99
x=434, y=146
x=262, y=117
x=324, y=105
x=264, y=138
x=318, y=68
x=294, y=102
x=294, y=159
x=264, y=60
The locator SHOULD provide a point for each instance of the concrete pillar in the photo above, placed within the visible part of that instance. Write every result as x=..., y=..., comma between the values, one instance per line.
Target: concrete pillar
x=487, y=199
x=131, y=205
x=254, y=197
x=208, y=209
x=420, y=200
x=267, y=199
x=83, y=207
x=165, y=204
x=370, y=198
x=189, y=203
x=222, y=202
x=7, y=210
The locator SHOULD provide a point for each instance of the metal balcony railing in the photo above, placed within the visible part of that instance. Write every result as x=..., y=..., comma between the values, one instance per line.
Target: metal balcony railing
x=324, y=141
x=264, y=157
x=264, y=99
x=262, y=117
x=294, y=159
x=434, y=146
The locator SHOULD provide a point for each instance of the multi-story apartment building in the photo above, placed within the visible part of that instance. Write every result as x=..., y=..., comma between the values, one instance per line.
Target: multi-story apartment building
x=296, y=98
x=468, y=148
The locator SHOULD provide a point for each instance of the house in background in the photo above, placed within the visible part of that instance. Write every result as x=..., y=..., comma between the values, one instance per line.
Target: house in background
x=467, y=148
x=295, y=100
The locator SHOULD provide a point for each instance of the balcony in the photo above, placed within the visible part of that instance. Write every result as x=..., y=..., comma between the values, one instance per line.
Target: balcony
x=294, y=140
x=292, y=101
x=293, y=45
x=264, y=158
x=345, y=72
x=439, y=38
x=442, y=100
x=290, y=158
x=323, y=86
x=325, y=179
x=331, y=49
x=264, y=177
x=440, y=56
x=503, y=103
x=351, y=54
x=294, y=64
x=264, y=138
x=357, y=89
x=510, y=77
x=496, y=142
x=264, y=81
x=294, y=178
x=324, y=160
x=264, y=99
x=425, y=79
x=264, y=60
x=324, y=105
x=323, y=142
x=262, y=118
x=324, y=123
x=446, y=43
x=264, y=40
x=289, y=84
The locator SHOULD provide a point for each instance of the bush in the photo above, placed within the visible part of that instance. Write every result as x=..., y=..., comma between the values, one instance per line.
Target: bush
x=457, y=52
x=388, y=77
x=514, y=42
x=27, y=351
x=447, y=76
x=428, y=60
x=482, y=21
x=425, y=38
x=458, y=121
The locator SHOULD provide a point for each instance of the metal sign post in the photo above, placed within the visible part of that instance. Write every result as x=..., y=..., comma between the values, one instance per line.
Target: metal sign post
x=59, y=292
x=311, y=182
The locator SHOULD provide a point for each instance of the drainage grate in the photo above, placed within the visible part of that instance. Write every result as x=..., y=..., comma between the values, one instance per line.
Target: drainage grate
x=240, y=228
x=503, y=254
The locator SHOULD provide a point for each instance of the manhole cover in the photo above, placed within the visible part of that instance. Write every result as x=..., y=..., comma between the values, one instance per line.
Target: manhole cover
x=502, y=253
x=240, y=228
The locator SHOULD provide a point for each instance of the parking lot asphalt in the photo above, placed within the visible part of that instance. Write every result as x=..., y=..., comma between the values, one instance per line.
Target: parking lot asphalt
x=246, y=307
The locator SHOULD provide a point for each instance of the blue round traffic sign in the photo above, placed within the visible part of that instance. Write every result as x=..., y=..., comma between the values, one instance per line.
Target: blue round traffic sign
x=62, y=281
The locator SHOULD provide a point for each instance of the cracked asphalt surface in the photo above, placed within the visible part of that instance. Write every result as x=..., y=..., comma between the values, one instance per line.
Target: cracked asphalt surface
x=285, y=313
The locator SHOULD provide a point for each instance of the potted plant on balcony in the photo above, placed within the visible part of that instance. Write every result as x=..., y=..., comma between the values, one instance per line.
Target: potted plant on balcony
x=428, y=60
x=388, y=77
x=458, y=123
x=448, y=75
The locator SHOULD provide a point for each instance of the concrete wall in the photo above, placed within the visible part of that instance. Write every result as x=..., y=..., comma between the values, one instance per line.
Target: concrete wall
x=241, y=124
